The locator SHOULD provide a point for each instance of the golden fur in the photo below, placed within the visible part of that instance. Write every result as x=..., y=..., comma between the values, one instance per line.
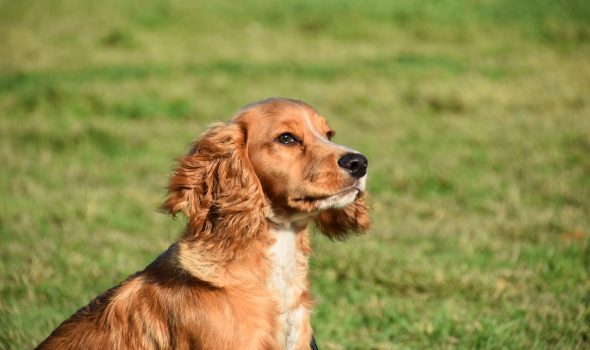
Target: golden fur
x=224, y=284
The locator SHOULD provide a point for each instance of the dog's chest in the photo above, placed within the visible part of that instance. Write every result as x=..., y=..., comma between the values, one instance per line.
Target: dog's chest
x=286, y=282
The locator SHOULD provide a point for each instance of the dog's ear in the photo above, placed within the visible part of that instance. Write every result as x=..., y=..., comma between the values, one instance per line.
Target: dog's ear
x=215, y=186
x=337, y=223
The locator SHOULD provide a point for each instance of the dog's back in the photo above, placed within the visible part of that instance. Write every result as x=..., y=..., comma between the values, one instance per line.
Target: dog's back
x=163, y=307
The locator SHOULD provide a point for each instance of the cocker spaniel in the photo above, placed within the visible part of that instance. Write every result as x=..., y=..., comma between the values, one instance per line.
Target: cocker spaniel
x=237, y=277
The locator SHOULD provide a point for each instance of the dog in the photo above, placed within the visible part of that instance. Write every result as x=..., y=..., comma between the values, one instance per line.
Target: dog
x=237, y=276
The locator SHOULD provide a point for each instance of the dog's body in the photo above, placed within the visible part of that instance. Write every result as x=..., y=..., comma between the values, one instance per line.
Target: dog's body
x=237, y=277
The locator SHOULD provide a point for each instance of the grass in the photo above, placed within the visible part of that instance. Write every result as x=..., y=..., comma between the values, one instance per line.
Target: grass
x=474, y=115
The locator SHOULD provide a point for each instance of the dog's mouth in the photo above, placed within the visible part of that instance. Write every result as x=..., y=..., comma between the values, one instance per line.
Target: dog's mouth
x=316, y=198
x=339, y=199
x=312, y=202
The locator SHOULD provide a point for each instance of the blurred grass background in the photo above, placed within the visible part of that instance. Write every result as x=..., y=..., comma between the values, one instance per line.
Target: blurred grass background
x=475, y=116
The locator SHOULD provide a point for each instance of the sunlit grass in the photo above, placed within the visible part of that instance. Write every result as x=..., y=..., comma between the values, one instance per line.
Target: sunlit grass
x=475, y=118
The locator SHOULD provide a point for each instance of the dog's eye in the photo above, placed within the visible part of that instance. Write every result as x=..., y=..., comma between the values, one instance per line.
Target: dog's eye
x=330, y=134
x=286, y=138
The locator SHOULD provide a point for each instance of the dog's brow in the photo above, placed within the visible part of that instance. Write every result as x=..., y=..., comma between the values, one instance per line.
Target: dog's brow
x=289, y=124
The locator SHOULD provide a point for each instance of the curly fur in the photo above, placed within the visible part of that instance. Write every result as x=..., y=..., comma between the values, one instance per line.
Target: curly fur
x=237, y=276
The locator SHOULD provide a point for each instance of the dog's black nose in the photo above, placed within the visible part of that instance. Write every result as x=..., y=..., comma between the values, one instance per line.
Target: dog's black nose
x=355, y=163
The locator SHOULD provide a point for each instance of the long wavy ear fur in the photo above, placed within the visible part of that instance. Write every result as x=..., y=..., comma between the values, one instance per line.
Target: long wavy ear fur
x=215, y=187
x=337, y=223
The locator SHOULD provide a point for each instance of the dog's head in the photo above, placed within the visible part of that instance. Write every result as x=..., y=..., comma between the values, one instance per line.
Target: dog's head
x=302, y=172
x=274, y=161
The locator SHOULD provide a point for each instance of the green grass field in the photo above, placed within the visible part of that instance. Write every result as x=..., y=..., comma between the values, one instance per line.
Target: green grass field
x=475, y=117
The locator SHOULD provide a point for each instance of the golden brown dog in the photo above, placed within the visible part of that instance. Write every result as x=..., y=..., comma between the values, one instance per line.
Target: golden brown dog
x=237, y=277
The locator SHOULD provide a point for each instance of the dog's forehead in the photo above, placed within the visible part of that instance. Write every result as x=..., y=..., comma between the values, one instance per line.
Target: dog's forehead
x=284, y=113
x=302, y=116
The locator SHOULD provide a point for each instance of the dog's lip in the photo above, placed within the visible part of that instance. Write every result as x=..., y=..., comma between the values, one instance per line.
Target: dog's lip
x=321, y=197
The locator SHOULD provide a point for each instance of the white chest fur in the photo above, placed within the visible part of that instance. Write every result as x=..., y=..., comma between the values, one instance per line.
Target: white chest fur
x=283, y=255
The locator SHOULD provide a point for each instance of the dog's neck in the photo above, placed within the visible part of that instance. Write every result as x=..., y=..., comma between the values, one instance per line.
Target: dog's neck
x=198, y=256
